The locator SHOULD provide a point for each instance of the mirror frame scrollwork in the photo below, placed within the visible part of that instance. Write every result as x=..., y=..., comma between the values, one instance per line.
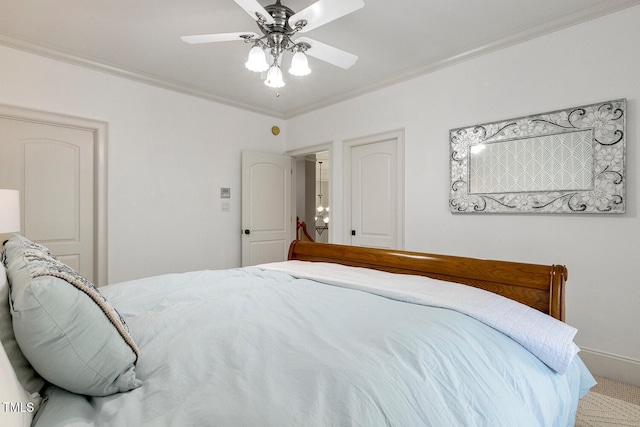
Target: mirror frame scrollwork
x=603, y=125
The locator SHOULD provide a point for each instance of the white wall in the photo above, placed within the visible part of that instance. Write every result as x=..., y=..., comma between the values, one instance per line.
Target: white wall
x=592, y=62
x=168, y=156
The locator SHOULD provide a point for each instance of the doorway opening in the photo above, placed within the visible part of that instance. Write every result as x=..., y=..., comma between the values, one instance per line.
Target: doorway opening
x=313, y=201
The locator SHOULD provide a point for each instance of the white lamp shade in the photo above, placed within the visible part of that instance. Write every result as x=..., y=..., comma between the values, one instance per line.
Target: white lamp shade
x=274, y=77
x=299, y=65
x=9, y=211
x=257, y=60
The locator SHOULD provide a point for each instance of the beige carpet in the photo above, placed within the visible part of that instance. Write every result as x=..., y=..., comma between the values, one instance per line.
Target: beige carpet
x=610, y=403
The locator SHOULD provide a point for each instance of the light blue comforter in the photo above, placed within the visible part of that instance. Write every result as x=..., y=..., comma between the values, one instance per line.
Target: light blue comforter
x=248, y=347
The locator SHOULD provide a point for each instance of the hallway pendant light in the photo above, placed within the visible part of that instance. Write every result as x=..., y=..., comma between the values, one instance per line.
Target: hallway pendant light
x=322, y=213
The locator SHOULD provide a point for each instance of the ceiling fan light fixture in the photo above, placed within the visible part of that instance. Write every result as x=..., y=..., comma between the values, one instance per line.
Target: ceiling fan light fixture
x=299, y=64
x=279, y=26
x=274, y=77
x=257, y=60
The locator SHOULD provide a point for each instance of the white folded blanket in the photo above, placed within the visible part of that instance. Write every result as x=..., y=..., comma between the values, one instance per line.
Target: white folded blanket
x=547, y=338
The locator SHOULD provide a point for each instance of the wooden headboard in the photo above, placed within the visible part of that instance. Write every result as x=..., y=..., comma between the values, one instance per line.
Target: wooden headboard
x=538, y=286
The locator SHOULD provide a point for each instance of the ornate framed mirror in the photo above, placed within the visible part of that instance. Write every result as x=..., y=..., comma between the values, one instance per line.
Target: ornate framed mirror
x=565, y=161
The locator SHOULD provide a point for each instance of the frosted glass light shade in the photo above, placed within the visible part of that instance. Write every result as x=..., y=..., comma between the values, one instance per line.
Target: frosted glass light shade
x=257, y=60
x=299, y=65
x=9, y=211
x=274, y=77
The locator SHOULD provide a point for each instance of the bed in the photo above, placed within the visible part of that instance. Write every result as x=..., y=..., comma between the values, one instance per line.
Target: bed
x=334, y=336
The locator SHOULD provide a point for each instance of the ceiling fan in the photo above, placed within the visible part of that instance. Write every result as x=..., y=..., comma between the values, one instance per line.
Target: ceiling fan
x=278, y=25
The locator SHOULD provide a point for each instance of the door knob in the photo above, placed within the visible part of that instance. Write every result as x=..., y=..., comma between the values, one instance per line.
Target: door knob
x=247, y=231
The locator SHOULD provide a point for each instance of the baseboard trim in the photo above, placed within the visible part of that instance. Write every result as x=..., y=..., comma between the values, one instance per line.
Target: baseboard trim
x=612, y=366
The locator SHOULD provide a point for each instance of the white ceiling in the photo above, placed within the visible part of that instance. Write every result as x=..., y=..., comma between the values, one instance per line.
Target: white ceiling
x=395, y=40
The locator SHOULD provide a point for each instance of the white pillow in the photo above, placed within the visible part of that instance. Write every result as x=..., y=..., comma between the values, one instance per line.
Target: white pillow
x=16, y=410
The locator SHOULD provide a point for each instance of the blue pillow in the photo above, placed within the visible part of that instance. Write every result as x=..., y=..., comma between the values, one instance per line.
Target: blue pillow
x=65, y=327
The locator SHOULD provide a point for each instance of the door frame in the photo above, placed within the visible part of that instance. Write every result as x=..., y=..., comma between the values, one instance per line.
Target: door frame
x=348, y=145
x=302, y=152
x=99, y=130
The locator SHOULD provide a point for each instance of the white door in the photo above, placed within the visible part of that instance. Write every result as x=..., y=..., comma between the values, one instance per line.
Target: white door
x=267, y=223
x=53, y=168
x=374, y=195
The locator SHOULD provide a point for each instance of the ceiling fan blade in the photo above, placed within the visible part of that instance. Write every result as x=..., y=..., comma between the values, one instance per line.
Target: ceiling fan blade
x=324, y=11
x=222, y=37
x=329, y=54
x=252, y=7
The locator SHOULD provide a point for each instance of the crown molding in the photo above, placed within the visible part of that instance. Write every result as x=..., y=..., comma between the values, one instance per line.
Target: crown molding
x=117, y=71
x=471, y=52
x=602, y=9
